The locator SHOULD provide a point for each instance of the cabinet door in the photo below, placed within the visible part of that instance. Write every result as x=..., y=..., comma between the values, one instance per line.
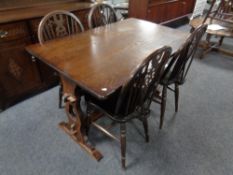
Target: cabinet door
x=156, y=13
x=164, y=11
x=174, y=10
x=186, y=7
x=190, y=5
x=138, y=8
x=47, y=74
x=18, y=73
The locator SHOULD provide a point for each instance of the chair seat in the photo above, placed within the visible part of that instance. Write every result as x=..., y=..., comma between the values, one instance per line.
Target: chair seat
x=107, y=105
x=166, y=80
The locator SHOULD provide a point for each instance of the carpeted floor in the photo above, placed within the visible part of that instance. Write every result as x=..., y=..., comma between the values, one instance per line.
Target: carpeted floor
x=197, y=140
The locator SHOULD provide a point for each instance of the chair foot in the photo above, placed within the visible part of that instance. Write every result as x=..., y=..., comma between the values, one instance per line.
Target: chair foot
x=60, y=96
x=145, y=126
x=221, y=40
x=163, y=106
x=123, y=144
x=176, y=97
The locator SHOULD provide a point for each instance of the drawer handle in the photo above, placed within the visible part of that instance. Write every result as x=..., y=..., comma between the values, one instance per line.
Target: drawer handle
x=33, y=59
x=3, y=34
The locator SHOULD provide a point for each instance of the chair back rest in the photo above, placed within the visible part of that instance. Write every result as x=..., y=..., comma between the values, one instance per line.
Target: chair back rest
x=101, y=14
x=58, y=24
x=138, y=92
x=181, y=60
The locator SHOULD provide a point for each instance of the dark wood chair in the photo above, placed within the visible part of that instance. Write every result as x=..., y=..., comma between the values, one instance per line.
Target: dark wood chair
x=177, y=69
x=58, y=24
x=101, y=14
x=133, y=99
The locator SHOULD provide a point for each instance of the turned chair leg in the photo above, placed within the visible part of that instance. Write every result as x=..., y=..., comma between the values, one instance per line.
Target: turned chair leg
x=145, y=126
x=176, y=97
x=60, y=96
x=163, y=105
x=123, y=144
x=221, y=41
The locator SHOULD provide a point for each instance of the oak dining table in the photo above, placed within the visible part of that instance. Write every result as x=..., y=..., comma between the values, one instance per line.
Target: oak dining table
x=99, y=61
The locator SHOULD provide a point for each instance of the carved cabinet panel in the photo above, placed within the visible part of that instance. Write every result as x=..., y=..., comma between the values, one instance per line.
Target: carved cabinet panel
x=18, y=73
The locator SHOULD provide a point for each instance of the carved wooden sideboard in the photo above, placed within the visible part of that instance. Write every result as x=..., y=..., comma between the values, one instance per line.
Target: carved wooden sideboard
x=20, y=75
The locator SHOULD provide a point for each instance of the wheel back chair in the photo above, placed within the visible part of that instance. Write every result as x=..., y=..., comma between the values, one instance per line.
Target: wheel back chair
x=133, y=99
x=101, y=14
x=177, y=69
x=57, y=24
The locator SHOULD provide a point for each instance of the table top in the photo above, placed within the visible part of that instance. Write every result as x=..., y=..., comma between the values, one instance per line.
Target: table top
x=102, y=59
x=224, y=32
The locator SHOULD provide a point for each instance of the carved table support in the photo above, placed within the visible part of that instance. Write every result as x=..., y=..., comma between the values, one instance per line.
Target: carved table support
x=77, y=125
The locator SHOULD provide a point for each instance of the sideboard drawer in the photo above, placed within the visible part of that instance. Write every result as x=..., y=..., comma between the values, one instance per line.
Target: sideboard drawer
x=13, y=31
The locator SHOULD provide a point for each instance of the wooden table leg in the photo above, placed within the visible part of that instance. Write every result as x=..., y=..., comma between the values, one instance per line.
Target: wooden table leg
x=76, y=127
x=77, y=124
